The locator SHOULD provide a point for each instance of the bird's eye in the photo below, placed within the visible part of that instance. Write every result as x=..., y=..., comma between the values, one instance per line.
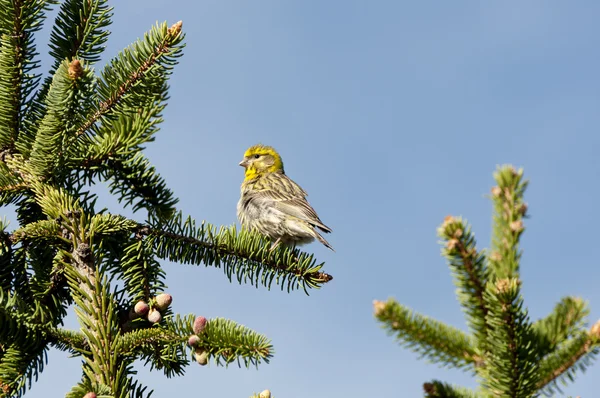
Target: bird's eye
x=256, y=156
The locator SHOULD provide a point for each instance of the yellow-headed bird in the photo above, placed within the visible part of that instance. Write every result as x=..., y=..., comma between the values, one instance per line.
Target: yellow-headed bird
x=274, y=205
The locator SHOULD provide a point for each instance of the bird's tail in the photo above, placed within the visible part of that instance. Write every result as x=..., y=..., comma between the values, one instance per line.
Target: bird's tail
x=324, y=241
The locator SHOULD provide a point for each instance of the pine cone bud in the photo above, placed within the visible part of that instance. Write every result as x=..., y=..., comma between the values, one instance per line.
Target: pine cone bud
x=75, y=69
x=378, y=307
x=176, y=28
x=502, y=285
x=193, y=340
x=199, y=324
x=141, y=308
x=154, y=316
x=201, y=356
x=496, y=191
x=595, y=330
x=451, y=244
x=429, y=388
x=265, y=394
x=163, y=301
x=517, y=226
x=90, y=394
x=523, y=209
x=448, y=220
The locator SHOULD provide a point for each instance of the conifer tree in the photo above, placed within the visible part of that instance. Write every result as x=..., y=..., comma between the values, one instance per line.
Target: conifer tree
x=58, y=136
x=511, y=355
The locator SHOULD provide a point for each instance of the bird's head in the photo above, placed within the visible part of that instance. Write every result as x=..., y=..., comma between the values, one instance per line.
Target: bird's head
x=261, y=159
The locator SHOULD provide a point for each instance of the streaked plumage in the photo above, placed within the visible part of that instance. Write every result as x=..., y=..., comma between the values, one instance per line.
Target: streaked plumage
x=273, y=204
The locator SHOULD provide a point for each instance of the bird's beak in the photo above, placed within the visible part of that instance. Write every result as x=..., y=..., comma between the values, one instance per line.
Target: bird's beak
x=244, y=163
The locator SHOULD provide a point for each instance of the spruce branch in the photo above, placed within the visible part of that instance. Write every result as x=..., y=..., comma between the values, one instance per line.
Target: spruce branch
x=158, y=347
x=56, y=142
x=226, y=341
x=143, y=275
x=137, y=183
x=86, y=387
x=469, y=270
x=509, y=211
x=117, y=139
x=575, y=354
x=512, y=356
x=132, y=342
x=131, y=178
x=19, y=20
x=6, y=265
x=44, y=229
x=510, y=369
x=104, y=225
x=138, y=73
x=69, y=340
x=263, y=394
x=95, y=305
x=11, y=186
x=440, y=343
x=96, y=311
x=245, y=254
x=67, y=99
x=80, y=31
x=438, y=389
x=19, y=367
x=565, y=321
x=15, y=321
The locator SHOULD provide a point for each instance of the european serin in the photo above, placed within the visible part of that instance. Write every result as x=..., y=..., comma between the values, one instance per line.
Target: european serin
x=274, y=205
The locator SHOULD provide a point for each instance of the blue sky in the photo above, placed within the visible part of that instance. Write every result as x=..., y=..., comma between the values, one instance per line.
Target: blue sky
x=392, y=115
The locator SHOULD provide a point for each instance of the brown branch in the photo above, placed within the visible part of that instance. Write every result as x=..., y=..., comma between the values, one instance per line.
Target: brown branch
x=467, y=257
x=586, y=348
x=18, y=36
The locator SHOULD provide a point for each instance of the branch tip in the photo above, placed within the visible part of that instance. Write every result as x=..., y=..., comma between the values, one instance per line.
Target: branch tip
x=176, y=28
x=378, y=307
x=75, y=69
x=595, y=330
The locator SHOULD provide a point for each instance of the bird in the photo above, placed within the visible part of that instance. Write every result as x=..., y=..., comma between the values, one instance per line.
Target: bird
x=272, y=204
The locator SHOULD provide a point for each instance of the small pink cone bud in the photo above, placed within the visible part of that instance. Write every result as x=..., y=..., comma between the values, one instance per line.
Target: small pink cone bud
x=193, y=340
x=265, y=394
x=199, y=324
x=141, y=308
x=496, y=191
x=154, y=316
x=163, y=301
x=201, y=356
x=90, y=395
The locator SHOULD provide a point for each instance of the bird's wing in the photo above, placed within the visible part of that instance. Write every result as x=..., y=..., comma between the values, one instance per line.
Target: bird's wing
x=290, y=199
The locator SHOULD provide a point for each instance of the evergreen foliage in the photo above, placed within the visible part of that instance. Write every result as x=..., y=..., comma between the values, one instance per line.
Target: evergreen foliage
x=75, y=128
x=511, y=355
